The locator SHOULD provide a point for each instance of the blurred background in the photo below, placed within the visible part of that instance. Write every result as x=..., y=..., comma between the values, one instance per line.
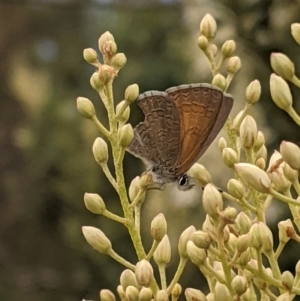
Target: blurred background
x=46, y=162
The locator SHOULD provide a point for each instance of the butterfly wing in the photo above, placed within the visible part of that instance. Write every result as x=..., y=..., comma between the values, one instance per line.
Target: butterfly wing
x=157, y=139
x=203, y=111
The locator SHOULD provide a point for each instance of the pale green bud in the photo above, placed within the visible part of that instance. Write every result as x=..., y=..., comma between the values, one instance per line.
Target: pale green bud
x=262, y=153
x=295, y=29
x=229, y=156
x=132, y=293
x=286, y=230
x=280, y=92
x=145, y=294
x=228, y=48
x=236, y=188
x=201, y=239
x=125, y=135
x=222, y=143
x=260, y=163
x=282, y=65
x=134, y=188
x=196, y=255
x=222, y=292
x=100, y=151
x=287, y=279
x=243, y=222
x=230, y=213
x=97, y=239
x=95, y=82
x=236, y=120
x=183, y=239
x=121, y=293
x=261, y=237
x=232, y=241
x=158, y=227
x=244, y=258
x=106, y=73
x=118, y=61
x=144, y=272
x=290, y=173
x=291, y=154
x=85, y=107
x=239, y=285
x=125, y=115
x=127, y=278
x=104, y=41
x=145, y=180
x=202, y=42
x=243, y=243
x=161, y=295
x=131, y=93
x=254, y=176
x=253, y=92
x=212, y=200
x=213, y=49
x=199, y=173
x=248, y=132
x=260, y=141
x=233, y=65
x=192, y=294
x=208, y=27
x=219, y=81
x=90, y=55
x=94, y=203
x=176, y=291
x=162, y=254
x=107, y=295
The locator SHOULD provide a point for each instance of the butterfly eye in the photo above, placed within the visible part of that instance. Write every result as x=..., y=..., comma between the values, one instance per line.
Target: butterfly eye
x=184, y=183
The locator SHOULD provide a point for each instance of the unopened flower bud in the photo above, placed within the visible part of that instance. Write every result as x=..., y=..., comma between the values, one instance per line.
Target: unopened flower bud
x=185, y=236
x=261, y=163
x=213, y=49
x=200, y=173
x=219, y=81
x=144, y=272
x=145, y=294
x=145, y=180
x=286, y=230
x=85, y=107
x=222, y=292
x=106, y=73
x=208, y=27
x=212, y=200
x=232, y=241
x=229, y=156
x=161, y=295
x=287, y=280
x=243, y=243
x=235, y=188
x=280, y=92
x=107, y=295
x=158, y=227
x=283, y=297
x=196, y=255
x=131, y=93
x=295, y=29
x=254, y=176
x=282, y=65
x=261, y=237
x=97, y=239
x=94, y=203
x=280, y=182
x=118, y=61
x=201, y=239
x=239, y=284
x=262, y=153
x=192, y=294
x=244, y=258
x=260, y=141
x=244, y=222
x=126, y=135
x=132, y=293
x=95, y=82
x=162, y=254
x=230, y=213
x=202, y=42
x=127, y=278
x=290, y=173
x=228, y=48
x=134, y=188
x=90, y=55
x=248, y=132
x=104, y=39
x=124, y=116
x=222, y=143
x=210, y=297
x=253, y=92
x=237, y=120
x=176, y=291
x=291, y=154
x=233, y=65
x=100, y=151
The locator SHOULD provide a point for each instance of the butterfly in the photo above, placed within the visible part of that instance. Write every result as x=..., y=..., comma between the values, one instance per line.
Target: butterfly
x=179, y=126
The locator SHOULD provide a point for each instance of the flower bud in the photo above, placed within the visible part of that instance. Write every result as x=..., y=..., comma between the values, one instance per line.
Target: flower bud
x=94, y=203
x=134, y=188
x=280, y=182
x=124, y=116
x=222, y=143
x=208, y=27
x=230, y=213
x=121, y=293
x=262, y=153
x=260, y=163
x=244, y=222
x=254, y=176
x=239, y=285
x=176, y=291
x=248, y=132
x=290, y=173
x=213, y=49
x=107, y=295
x=106, y=44
x=196, y=255
x=295, y=29
x=282, y=65
x=161, y=295
x=283, y=297
x=95, y=82
x=253, y=92
x=207, y=225
x=106, y=74
x=261, y=237
x=162, y=254
x=287, y=279
x=280, y=92
x=118, y=61
x=260, y=141
x=199, y=173
x=132, y=293
x=131, y=93
x=192, y=294
x=183, y=239
x=236, y=188
x=244, y=258
x=144, y=272
x=125, y=135
x=158, y=227
x=222, y=292
x=97, y=239
x=210, y=297
x=85, y=107
x=229, y=156
x=145, y=294
x=201, y=239
x=286, y=230
x=228, y=48
x=291, y=154
x=232, y=241
x=212, y=200
x=233, y=65
x=219, y=81
x=243, y=243
x=100, y=151
x=90, y=55
x=127, y=278
x=202, y=42
x=236, y=121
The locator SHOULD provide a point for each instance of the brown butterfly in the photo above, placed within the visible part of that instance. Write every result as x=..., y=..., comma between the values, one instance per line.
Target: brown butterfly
x=179, y=126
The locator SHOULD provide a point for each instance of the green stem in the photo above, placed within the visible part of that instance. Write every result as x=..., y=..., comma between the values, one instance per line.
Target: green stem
x=290, y=110
x=109, y=176
x=115, y=217
x=283, y=198
x=279, y=249
x=177, y=275
x=101, y=127
x=121, y=260
x=152, y=250
x=162, y=275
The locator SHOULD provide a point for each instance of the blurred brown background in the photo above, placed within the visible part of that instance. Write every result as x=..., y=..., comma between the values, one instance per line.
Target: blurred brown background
x=46, y=163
